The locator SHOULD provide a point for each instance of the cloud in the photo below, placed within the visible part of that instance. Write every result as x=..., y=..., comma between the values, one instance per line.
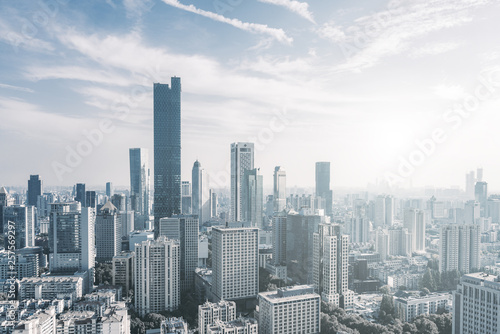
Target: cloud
x=449, y=92
x=37, y=73
x=434, y=49
x=255, y=28
x=301, y=8
x=136, y=8
x=21, y=89
x=332, y=32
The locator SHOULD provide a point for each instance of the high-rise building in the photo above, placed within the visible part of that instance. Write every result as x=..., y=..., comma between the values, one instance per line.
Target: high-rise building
x=470, y=181
x=200, y=193
x=242, y=159
x=235, y=263
x=139, y=181
x=252, y=198
x=157, y=276
x=110, y=190
x=90, y=199
x=187, y=199
x=479, y=174
x=475, y=304
x=471, y=213
x=360, y=229
x=124, y=270
x=459, y=248
x=380, y=211
x=214, y=202
x=389, y=210
x=21, y=218
x=108, y=234
x=481, y=193
x=209, y=313
x=323, y=185
x=279, y=189
x=382, y=243
x=80, y=194
x=167, y=150
x=331, y=266
x=279, y=238
x=185, y=229
x=119, y=201
x=35, y=189
x=4, y=201
x=126, y=222
x=400, y=242
x=72, y=240
x=415, y=223
x=294, y=309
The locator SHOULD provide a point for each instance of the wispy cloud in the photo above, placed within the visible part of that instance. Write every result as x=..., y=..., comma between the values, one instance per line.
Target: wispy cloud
x=136, y=8
x=433, y=49
x=255, y=28
x=21, y=89
x=301, y=8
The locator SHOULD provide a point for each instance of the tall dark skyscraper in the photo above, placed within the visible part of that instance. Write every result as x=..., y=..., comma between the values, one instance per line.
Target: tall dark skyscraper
x=80, y=195
x=167, y=150
x=323, y=184
x=35, y=189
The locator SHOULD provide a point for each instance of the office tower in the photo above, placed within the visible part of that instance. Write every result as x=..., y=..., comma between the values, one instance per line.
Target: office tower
x=252, y=198
x=110, y=190
x=475, y=304
x=4, y=201
x=300, y=229
x=210, y=313
x=493, y=210
x=360, y=229
x=119, y=201
x=294, y=309
x=90, y=199
x=19, y=221
x=459, y=248
x=242, y=159
x=380, y=211
x=279, y=189
x=184, y=229
x=470, y=181
x=157, y=276
x=72, y=240
x=389, y=210
x=481, y=192
x=279, y=238
x=126, y=223
x=123, y=271
x=214, y=202
x=186, y=193
x=108, y=234
x=471, y=213
x=400, y=242
x=479, y=175
x=167, y=150
x=331, y=265
x=139, y=181
x=415, y=223
x=323, y=185
x=80, y=194
x=200, y=193
x=35, y=189
x=382, y=243
x=235, y=263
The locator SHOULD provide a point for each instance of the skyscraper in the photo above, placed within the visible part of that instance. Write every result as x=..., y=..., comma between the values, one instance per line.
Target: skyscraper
x=252, y=197
x=331, y=265
x=157, y=276
x=235, y=263
x=415, y=223
x=279, y=189
x=4, y=201
x=167, y=150
x=279, y=238
x=470, y=181
x=110, y=190
x=200, y=193
x=481, y=192
x=22, y=220
x=459, y=248
x=185, y=229
x=80, y=194
x=242, y=159
x=186, y=198
x=139, y=181
x=35, y=189
x=90, y=199
x=108, y=233
x=323, y=185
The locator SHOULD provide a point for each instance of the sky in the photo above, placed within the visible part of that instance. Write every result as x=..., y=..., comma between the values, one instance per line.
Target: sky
x=391, y=92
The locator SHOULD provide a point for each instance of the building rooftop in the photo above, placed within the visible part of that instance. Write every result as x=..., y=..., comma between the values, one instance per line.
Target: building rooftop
x=289, y=293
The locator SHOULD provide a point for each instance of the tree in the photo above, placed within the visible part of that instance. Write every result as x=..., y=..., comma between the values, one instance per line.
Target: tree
x=428, y=281
x=385, y=290
x=103, y=273
x=425, y=326
x=387, y=311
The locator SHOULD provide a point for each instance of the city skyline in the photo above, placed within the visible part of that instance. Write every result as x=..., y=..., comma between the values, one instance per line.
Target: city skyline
x=289, y=72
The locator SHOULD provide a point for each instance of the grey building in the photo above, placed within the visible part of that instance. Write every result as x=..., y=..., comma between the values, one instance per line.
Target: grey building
x=35, y=189
x=139, y=181
x=242, y=159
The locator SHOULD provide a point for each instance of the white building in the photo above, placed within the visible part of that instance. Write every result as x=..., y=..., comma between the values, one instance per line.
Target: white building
x=185, y=230
x=382, y=243
x=51, y=287
x=235, y=262
x=200, y=193
x=174, y=325
x=415, y=223
x=242, y=159
x=459, y=248
x=279, y=189
x=238, y=326
x=157, y=276
x=108, y=238
x=476, y=305
x=331, y=265
x=210, y=313
x=40, y=323
x=289, y=310
x=411, y=307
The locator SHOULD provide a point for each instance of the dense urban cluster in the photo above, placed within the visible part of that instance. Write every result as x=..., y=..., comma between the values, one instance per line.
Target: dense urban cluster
x=171, y=256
